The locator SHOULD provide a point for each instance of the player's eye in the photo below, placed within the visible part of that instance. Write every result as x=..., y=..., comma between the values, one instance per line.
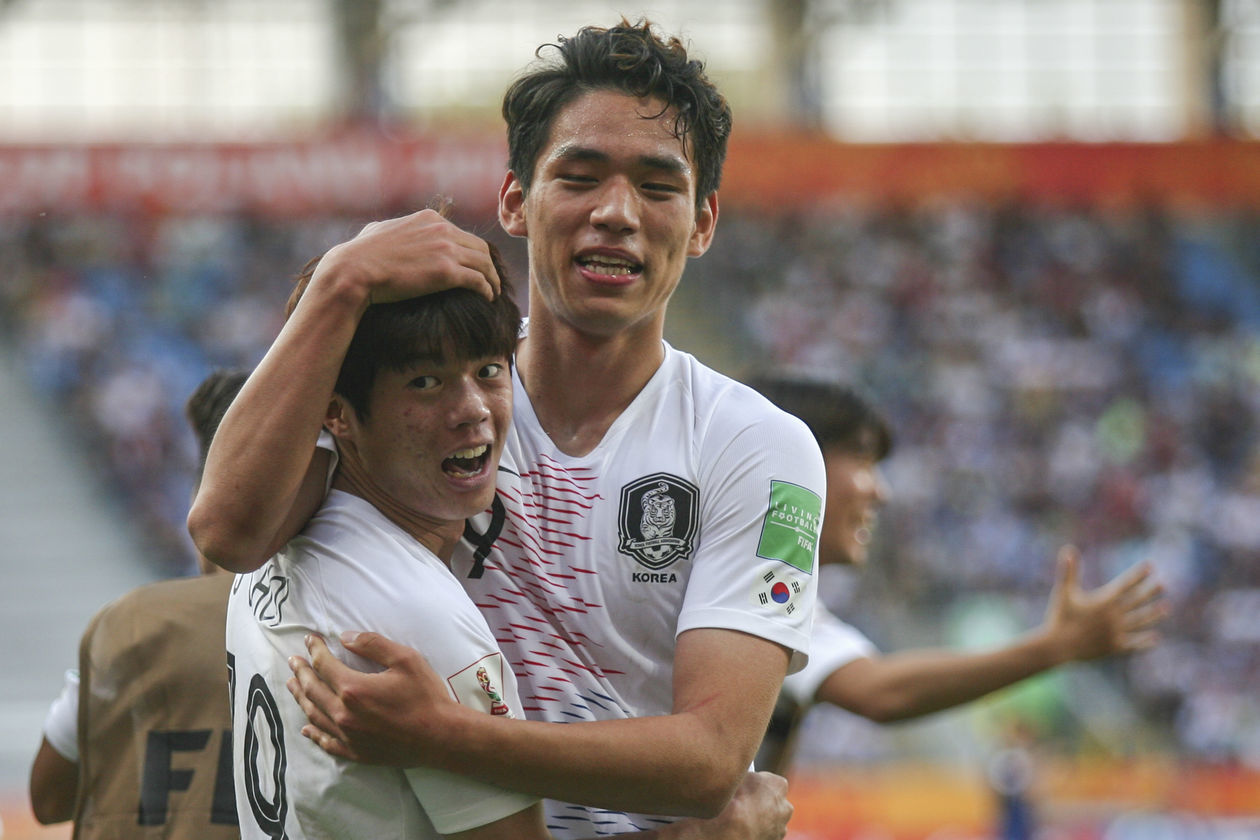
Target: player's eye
x=491, y=370
x=424, y=382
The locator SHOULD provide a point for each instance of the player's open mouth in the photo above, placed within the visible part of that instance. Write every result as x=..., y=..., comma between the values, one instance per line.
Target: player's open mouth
x=467, y=462
x=610, y=266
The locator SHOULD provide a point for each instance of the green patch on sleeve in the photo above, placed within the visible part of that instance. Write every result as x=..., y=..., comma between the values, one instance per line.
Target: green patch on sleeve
x=790, y=530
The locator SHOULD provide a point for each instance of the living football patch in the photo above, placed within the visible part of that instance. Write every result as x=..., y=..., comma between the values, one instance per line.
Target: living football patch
x=789, y=531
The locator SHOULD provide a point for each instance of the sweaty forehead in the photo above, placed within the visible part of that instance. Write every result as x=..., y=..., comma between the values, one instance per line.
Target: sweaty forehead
x=576, y=152
x=608, y=121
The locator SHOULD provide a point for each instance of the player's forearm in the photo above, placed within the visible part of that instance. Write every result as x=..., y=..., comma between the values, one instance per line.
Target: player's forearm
x=669, y=764
x=263, y=448
x=687, y=763
x=910, y=684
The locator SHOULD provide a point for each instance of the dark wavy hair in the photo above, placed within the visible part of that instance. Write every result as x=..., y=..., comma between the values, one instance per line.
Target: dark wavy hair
x=456, y=324
x=207, y=405
x=630, y=58
x=838, y=415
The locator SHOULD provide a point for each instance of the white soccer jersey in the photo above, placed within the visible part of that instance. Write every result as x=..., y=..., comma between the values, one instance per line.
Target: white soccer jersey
x=833, y=645
x=353, y=569
x=699, y=508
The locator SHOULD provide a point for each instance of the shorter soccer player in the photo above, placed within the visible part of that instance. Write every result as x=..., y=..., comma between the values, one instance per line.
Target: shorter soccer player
x=846, y=670
x=420, y=413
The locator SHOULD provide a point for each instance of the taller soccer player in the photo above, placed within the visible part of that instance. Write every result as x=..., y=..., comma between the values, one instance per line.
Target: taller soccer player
x=648, y=562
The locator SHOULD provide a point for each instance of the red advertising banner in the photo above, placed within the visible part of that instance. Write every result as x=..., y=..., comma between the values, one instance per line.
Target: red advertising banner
x=785, y=169
x=363, y=172
x=351, y=173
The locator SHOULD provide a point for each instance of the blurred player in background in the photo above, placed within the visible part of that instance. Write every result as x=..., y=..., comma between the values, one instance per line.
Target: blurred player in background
x=647, y=564
x=846, y=670
x=139, y=742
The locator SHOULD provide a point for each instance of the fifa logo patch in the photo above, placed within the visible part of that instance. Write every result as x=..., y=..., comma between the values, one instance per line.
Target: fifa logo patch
x=479, y=686
x=497, y=706
x=657, y=521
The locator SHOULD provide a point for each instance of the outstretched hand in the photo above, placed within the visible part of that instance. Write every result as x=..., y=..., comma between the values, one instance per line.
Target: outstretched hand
x=1119, y=617
x=387, y=717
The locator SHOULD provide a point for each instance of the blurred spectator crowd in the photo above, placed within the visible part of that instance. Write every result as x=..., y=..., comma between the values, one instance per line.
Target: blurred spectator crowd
x=1051, y=374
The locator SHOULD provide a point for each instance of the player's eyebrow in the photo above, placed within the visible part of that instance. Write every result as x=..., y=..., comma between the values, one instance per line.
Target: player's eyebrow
x=663, y=163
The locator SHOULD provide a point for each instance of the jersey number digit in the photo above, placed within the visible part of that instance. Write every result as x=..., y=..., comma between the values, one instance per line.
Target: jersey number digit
x=260, y=707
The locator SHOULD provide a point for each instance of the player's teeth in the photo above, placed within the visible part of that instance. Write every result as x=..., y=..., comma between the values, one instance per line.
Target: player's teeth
x=611, y=266
x=475, y=452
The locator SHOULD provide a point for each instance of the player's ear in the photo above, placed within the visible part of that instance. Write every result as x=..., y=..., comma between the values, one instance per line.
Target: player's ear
x=337, y=417
x=512, y=206
x=706, y=225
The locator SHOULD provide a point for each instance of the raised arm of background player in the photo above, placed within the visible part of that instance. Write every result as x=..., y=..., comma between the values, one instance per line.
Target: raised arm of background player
x=1118, y=617
x=255, y=493
x=253, y=498
x=847, y=670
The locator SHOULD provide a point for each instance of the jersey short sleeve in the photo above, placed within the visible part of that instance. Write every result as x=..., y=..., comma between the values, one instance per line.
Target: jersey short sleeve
x=833, y=645
x=62, y=722
x=754, y=566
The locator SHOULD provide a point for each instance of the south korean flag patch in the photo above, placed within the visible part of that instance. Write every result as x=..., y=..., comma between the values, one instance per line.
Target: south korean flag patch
x=778, y=590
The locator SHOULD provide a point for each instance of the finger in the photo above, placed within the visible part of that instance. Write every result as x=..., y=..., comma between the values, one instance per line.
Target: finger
x=776, y=782
x=1152, y=593
x=313, y=712
x=1068, y=562
x=329, y=744
x=1131, y=578
x=1145, y=618
x=374, y=646
x=326, y=666
x=482, y=280
x=318, y=701
x=1141, y=641
x=477, y=259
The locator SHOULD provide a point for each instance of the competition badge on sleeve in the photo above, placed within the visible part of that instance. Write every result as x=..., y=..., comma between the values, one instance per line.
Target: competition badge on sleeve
x=497, y=706
x=789, y=534
x=480, y=686
x=789, y=531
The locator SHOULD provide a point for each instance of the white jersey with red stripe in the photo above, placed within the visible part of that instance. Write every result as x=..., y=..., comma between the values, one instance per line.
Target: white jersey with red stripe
x=351, y=568
x=699, y=508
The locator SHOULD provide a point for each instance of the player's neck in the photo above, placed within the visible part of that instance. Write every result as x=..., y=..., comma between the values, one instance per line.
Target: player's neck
x=580, y=384
x=437, y=535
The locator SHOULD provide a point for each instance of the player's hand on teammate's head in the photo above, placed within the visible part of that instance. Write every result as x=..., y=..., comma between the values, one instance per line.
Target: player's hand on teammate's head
x=414, y=255
x=1121, y=616
x=388, y=717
